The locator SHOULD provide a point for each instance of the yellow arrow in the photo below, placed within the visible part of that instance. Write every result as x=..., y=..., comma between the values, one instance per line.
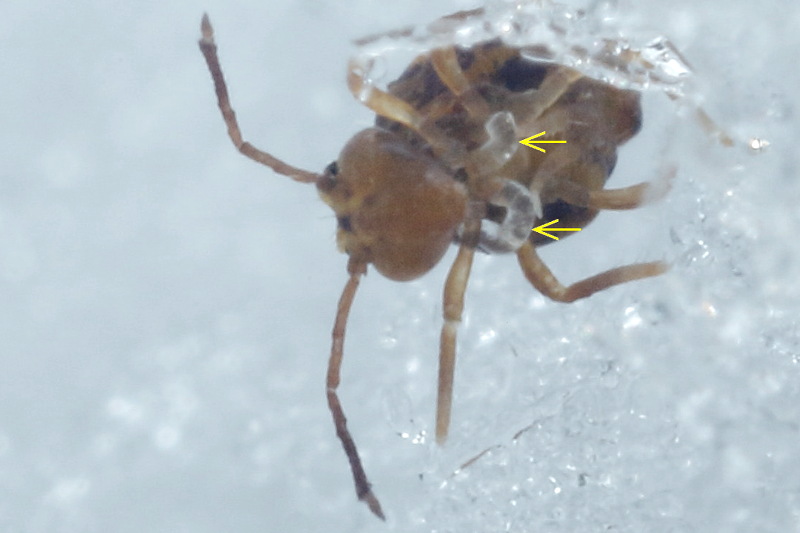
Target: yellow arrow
x=541, y=229
x=529, y=142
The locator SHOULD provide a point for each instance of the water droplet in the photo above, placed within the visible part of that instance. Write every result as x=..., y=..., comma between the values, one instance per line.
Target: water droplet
x=758, y=145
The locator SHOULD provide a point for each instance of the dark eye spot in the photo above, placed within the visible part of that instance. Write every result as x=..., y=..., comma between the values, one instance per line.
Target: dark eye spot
x=327, y=181
x=344, y=223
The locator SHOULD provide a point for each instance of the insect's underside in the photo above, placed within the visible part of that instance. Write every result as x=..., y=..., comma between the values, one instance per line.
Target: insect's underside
x=443, y=164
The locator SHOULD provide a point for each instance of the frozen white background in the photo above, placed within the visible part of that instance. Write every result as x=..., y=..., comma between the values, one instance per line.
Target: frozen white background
x=165, y=304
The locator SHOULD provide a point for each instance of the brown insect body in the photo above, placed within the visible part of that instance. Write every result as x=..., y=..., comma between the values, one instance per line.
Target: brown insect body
x=443, y=164
x=397, y=206
x=387, y=172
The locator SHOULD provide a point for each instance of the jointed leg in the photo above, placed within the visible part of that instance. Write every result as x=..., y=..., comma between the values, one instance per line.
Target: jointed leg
x=383, y=103
x=707, y=123
x=501, y=130
x=445, y=63
x=534, y=102
x=209, y=49
x=545, y=282
x=363, y=487
x=629, y=197
x=390, y=106
x=454, y=289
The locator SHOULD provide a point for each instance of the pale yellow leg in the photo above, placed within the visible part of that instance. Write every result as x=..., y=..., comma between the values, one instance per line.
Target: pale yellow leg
x=445, y=63
x=390, y=106
x=545, y=282
x=629, y=197
x=533, y=103
x=707, y=123
x=453, y=306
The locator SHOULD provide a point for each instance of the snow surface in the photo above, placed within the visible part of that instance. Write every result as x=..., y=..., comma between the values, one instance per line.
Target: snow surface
x=166, y=304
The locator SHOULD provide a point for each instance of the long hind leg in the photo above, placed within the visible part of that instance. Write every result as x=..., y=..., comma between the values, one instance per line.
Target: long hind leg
x=629, y=197
x=453, y=306
x=363, y=486
x=540, y=276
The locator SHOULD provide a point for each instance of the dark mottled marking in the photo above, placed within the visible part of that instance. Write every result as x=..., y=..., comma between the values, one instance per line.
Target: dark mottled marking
x=562, y=211
x=519, y=74
x=466, y=57
x=495, y=213
x=418, y=85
